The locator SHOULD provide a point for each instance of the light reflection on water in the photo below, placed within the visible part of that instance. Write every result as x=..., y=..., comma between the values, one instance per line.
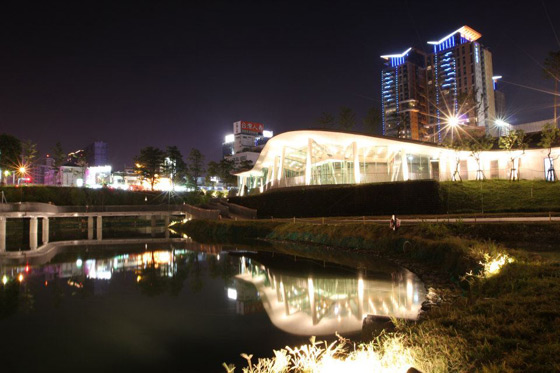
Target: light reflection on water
x=303, y=304
x=188, y=290
x=322, y=305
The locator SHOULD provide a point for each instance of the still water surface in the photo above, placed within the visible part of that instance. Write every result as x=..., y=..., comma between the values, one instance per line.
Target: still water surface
x=182, y=306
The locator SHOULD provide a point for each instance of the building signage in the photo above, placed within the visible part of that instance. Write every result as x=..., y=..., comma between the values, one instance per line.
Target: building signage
x=250, y=128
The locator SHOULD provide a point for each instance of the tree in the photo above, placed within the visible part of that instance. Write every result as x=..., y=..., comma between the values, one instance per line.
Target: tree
x=549, y=137
x=10, y=151
x=195, y=166
x=513, y=143
x=345, y=121
x=552, y=71
x=59, y=158
x=372, y=121
x=29, y=152
x=244, y=165
x=457, y=144
x=326, y=120
x=58, y=155
x=212, y=170
x=149, y=164
x=346, y=118
x=223, y=170
x=175, y=166
x=476, y=146
x=227, y=168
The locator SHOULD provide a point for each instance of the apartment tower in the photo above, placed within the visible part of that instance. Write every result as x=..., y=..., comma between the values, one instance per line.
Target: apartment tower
x=404, y=103
x=425, y=96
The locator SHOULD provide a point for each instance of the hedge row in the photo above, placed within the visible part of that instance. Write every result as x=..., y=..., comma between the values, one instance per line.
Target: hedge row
x=68, y=196
x=410, y=197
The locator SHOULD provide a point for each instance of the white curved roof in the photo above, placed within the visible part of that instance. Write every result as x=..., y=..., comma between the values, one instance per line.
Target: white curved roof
x=299, y=138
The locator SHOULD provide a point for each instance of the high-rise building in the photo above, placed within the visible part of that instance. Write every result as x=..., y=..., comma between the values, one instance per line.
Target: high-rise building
x=97, y=153
x=404, y=104
x=460, y=83
x=500, y=98
x=426, y=95
x=246, y=141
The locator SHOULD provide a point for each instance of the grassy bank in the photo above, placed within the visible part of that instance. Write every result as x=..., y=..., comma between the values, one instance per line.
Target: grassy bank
x=499, y=196
x=496, y=318
x=69, y=196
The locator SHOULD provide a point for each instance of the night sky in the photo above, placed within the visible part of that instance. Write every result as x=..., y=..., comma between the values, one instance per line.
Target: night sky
x=180, y=73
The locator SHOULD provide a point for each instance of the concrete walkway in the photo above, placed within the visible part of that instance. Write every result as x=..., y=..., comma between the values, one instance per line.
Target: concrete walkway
x=411, y=220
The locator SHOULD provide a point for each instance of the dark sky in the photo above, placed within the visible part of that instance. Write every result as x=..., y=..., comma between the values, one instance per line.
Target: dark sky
x=180, y=73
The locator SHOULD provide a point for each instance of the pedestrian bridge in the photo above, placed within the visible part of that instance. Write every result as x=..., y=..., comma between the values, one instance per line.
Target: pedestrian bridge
x=42, y=212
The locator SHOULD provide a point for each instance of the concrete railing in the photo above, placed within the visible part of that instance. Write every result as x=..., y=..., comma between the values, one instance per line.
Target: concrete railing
x=242, y=211
x=46, y=208
x=199, y=213
x=29, y=207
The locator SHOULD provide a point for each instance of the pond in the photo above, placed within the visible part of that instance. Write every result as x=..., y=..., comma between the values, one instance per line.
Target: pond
x=172, y=304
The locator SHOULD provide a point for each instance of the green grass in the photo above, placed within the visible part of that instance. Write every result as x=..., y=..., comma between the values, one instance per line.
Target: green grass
x=227, y=230
x=499, y=196
x=509, y=322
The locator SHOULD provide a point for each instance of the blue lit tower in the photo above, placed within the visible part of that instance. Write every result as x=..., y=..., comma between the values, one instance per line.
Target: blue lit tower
x=459, y=77
x=403, y=95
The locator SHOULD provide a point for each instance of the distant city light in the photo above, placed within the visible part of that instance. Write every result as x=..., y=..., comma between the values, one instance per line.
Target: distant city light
x=232, y=294
x=229, y=138
x=268, y=134
x=97, y=175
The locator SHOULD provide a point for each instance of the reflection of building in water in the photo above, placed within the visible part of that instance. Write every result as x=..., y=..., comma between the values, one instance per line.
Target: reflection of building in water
x=319, y=305
x=103, y=269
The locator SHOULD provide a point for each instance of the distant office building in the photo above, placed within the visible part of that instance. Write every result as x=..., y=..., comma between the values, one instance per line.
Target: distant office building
x=67, y=175
x=500, y=99
x=41, y=171
x=97, y=154
x=423, y=94
x=246, y=141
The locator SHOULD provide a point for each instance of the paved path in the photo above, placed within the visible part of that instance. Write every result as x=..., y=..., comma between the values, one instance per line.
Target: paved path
x=410, y=220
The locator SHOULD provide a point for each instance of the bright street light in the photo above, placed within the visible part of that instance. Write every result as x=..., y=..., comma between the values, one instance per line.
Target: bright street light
x=452, y=122
x=501, y=124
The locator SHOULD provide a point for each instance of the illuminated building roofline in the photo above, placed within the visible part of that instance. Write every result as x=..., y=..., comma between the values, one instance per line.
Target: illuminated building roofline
x=465, y=31
x=387, y=56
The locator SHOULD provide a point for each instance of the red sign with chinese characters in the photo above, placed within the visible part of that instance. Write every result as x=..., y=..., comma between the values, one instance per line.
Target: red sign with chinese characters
x=252, y=127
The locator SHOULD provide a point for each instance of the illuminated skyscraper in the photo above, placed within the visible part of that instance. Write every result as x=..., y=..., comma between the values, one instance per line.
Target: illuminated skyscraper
x=459, y=77
x=403, y=97
x=422, y=93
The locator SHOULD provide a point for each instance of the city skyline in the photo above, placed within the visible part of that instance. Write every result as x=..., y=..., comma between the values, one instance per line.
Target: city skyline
x=141, y=75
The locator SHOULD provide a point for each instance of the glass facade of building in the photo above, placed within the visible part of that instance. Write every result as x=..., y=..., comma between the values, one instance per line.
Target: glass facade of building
x=313, y=157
